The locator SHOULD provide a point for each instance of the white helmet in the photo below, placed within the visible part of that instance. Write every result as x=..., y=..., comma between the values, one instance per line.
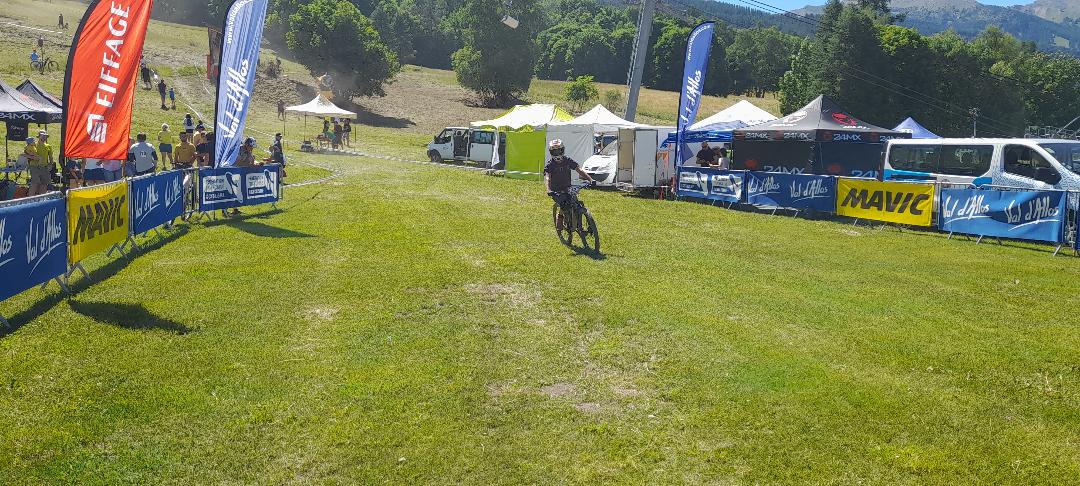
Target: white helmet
x=556, y=147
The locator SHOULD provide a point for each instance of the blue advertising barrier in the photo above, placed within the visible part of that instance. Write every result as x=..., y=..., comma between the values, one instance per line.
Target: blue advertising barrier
x=713, y=184
x=791, y=191
x=156, y=200
x=1022, y=215
x=33, y=245
x=232, y=187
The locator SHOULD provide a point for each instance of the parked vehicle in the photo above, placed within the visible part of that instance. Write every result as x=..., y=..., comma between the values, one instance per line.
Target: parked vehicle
x=1016, y=162
x=631, y=162
x=463, y=145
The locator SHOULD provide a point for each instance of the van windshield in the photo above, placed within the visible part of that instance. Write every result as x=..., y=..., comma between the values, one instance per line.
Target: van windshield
x=1067, y=153
x=610, y=149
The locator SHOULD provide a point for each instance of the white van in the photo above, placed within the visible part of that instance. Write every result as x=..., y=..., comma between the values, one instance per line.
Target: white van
x=463, y=144
x=1015, y=162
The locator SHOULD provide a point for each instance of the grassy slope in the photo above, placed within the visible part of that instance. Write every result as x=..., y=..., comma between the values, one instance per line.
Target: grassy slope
x=418, y=324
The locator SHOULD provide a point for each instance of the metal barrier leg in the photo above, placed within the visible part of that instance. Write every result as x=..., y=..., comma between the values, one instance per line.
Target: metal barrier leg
x=79, y=267
x=1058, y=250
x=4, y=321
x=979, y=240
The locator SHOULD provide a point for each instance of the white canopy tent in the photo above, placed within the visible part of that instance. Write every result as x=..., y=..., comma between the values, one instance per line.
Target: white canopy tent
x=320, y=106
x=743, y=112
x=578, y=134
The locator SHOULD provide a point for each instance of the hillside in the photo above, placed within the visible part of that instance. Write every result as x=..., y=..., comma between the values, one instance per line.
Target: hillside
x=1063, y=11
x=969, y=17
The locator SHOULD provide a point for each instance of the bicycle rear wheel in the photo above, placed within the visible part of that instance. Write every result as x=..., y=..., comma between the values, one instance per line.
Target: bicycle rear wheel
x=561, y=229
x=590, y=236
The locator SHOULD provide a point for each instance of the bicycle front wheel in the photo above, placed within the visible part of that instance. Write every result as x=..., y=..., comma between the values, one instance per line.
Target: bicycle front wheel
x=590, y=236
x=562, y=225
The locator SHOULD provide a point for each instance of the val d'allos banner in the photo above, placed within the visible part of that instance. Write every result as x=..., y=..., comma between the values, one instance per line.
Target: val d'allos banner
x=100, y=87
x=893, y=202
x=238, y=186
x=33, y=245
x=792, y=191
x=97, y=219
x=239, y=58
x=156, y=200
x=1027, y=215
x=713, y=184
x=694, y=69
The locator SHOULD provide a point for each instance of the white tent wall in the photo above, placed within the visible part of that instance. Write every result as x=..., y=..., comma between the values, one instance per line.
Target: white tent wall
x=578, y=140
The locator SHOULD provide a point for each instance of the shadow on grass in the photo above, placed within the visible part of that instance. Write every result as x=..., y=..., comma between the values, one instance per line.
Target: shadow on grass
x=246, y=223
x=78, y=284
x=127, y=316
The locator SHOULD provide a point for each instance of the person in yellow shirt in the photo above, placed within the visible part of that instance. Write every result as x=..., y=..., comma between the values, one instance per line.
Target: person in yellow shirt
x=166, y=139
x=184, y=154
x=39, y=172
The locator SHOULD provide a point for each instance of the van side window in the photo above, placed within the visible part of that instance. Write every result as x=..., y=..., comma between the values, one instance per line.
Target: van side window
x=1023, y=161
x=486, y=138
x=916, y=158
x=966, y=160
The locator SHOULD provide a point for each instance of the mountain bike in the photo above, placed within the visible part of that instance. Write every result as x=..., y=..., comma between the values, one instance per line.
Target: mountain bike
x=569, y=215
x=44, y=64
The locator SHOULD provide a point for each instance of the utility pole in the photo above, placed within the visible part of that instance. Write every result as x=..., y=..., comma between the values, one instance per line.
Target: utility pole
x=974, y=122
x=641, y=49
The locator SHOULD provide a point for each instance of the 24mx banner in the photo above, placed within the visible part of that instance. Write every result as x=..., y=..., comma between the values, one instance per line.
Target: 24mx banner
x=792, y=191
x=97, y=219
x=713, y=184
x=894, y=202
x=1027, y=215
x=232, y=187
x=33, y=245
x=156, y=199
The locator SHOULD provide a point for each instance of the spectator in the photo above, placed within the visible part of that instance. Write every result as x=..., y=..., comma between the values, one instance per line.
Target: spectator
x=184, y=155
x=706, y=157
x=145, y=71
x=162, y=90
x=40, y=175
x=189, y=124
x=199, y=137
x=166, y=139
x=200, y=126
x=338, y=132
x=60, y=22
x=128, y=169
x=246, y=157
x=722, y=158
x=325, y=123
x=144, y=155
x=45, y=151
x=172, y=97
x=35, y=60
x=277, y=151
x=347, y=131
x=205, y=150
x=112, y=168
x=281, y=109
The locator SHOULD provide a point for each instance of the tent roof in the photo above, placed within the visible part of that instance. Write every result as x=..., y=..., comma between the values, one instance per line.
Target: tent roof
x=16, y=106
x=31, y=89
x=521, y=116
x=915, y=129
x=741, y=114
x=601, y=119
x=320, y=106
x=821, y=120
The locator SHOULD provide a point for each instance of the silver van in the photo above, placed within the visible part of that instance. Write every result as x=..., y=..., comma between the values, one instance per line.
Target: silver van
x=1015, y=162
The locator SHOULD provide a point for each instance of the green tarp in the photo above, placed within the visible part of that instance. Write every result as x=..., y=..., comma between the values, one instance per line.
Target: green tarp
x=525, y=152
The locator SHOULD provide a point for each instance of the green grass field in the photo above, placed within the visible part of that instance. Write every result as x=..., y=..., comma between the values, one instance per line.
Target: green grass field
x=408, y=324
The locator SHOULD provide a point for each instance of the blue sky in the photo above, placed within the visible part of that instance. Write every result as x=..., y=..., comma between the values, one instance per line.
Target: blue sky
x=794, y=4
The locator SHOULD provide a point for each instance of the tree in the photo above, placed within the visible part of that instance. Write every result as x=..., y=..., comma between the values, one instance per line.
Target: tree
x=758, y=59
x=398, y=26
x=333, y=36
x=581, y=91
x=496, y=61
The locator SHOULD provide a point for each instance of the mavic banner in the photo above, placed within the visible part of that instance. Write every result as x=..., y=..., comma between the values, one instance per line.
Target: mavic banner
x=239, y=58
x=156, y=199
x=1028, y=215
x=33, y=243
x=894, y=202
x=97, y=219
x=100, y=83
x=238, y=186
x=694, y=66
x=712, y=184
x=792, y=191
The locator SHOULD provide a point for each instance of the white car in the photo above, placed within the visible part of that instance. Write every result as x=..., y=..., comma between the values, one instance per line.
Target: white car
x=603, y=165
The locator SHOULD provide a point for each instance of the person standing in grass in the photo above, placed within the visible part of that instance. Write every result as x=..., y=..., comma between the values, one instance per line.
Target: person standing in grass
x=144, y=155
x=347, y=132
x=172, y=97
x=144, y=70
x=162, y=91
x=166, y=139
x=39, y=170
x=189, y=124
x=337, y=134
x=281, y=109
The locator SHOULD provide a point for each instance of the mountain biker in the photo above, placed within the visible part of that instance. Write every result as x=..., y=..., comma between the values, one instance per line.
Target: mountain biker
x=557, y=173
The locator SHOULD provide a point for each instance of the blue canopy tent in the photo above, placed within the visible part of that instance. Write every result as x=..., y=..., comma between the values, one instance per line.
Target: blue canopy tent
x=719, y=127
x=915, y=129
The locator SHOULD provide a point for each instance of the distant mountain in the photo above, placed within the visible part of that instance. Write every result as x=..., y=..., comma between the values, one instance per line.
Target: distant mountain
x=1037, y=22
x=1061, y=11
